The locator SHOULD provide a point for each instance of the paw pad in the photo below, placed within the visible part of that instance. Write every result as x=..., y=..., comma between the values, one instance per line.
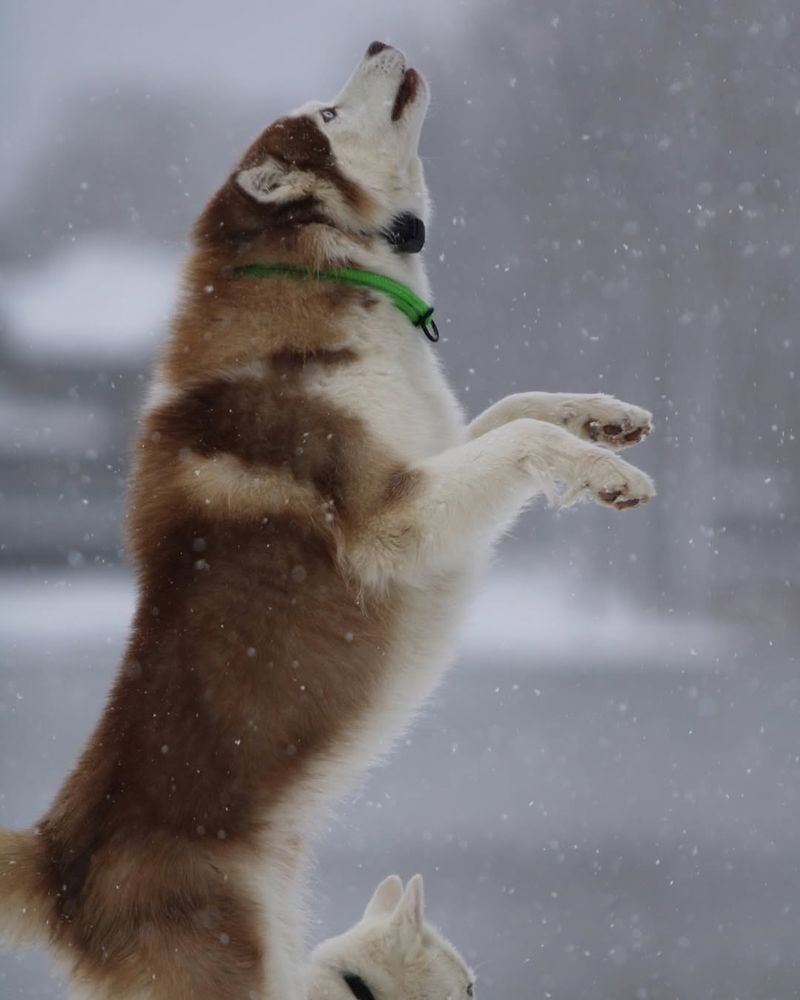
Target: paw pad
x=615, y=435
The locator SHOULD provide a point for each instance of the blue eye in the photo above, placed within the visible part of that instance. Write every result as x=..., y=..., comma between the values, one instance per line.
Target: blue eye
x=328, y=114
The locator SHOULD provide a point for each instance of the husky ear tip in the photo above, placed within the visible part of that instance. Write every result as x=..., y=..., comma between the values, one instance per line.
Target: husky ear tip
x=386, y=896
x=393, y=882
x=412, y=905
x=416, y=884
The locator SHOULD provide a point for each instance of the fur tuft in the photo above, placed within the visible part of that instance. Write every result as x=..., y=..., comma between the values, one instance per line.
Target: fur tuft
x=25, y=908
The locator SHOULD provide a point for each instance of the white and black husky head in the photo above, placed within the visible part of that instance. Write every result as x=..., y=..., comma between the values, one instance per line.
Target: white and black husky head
x=391, y=954
x=349, y=165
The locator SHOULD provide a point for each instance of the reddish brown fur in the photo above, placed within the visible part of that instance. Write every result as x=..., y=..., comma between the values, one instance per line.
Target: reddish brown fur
x=295, y=143
x=251, y=652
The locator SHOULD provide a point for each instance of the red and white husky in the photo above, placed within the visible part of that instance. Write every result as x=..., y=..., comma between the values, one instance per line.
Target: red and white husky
x=307, y=514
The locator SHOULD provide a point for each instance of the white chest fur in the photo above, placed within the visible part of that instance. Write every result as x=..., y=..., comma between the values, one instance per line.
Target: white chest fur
x=396, y=387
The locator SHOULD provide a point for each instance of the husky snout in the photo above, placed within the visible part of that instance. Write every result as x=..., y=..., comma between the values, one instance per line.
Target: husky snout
x=382, y=76
x=383, y=56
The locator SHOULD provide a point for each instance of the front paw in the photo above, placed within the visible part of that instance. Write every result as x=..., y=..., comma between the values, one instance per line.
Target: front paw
x=611, y=481
x=606, y=420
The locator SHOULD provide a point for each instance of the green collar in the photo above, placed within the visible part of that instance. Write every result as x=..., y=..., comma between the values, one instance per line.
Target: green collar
x=408, y=302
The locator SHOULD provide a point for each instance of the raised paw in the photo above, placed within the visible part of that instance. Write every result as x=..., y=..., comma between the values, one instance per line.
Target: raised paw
x=606, y=420
x=612, y=481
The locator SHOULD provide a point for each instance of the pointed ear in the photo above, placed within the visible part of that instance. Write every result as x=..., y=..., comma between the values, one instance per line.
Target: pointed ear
x=385, y=898
x=266, y=182
x=254, y=199
x=409, y=916
x=413, y=902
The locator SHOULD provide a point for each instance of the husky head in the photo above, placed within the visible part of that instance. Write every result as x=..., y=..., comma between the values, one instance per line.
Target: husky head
x=391, y=954
x=349, y=165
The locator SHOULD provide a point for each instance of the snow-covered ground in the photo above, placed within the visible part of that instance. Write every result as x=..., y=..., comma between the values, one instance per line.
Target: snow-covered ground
x=524, y=618
x=101, y=299
x=606, y=811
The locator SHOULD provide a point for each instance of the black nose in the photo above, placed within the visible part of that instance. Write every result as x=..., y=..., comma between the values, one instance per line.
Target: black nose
x=375, y=48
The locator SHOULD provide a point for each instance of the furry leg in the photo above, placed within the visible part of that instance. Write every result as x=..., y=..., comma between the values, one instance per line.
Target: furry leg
x=467, y=496
x=591, y=416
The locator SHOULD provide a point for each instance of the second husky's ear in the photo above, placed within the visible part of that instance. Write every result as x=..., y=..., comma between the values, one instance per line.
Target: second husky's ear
x=412, y=905
x=409, y=916
x=385, y=898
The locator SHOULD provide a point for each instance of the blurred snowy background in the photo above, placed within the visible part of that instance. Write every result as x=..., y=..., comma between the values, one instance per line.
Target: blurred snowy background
x=604, y=796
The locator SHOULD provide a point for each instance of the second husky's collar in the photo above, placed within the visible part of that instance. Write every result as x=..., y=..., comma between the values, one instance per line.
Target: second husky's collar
x=358, y=987
x=415, y=309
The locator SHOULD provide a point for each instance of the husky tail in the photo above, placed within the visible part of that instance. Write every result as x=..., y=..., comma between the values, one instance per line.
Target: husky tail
x=25, y=904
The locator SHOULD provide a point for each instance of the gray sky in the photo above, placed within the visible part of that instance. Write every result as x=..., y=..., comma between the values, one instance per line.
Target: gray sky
x=240, y=49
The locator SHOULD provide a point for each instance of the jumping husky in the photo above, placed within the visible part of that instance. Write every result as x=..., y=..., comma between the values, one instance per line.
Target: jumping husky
x=307, y=514
x=390, y=954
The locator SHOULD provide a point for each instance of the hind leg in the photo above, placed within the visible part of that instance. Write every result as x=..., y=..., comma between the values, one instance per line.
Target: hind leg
x=216, y=965
x=233, y=952
x=175, y=976
x=208, y=954
x=198, y=929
